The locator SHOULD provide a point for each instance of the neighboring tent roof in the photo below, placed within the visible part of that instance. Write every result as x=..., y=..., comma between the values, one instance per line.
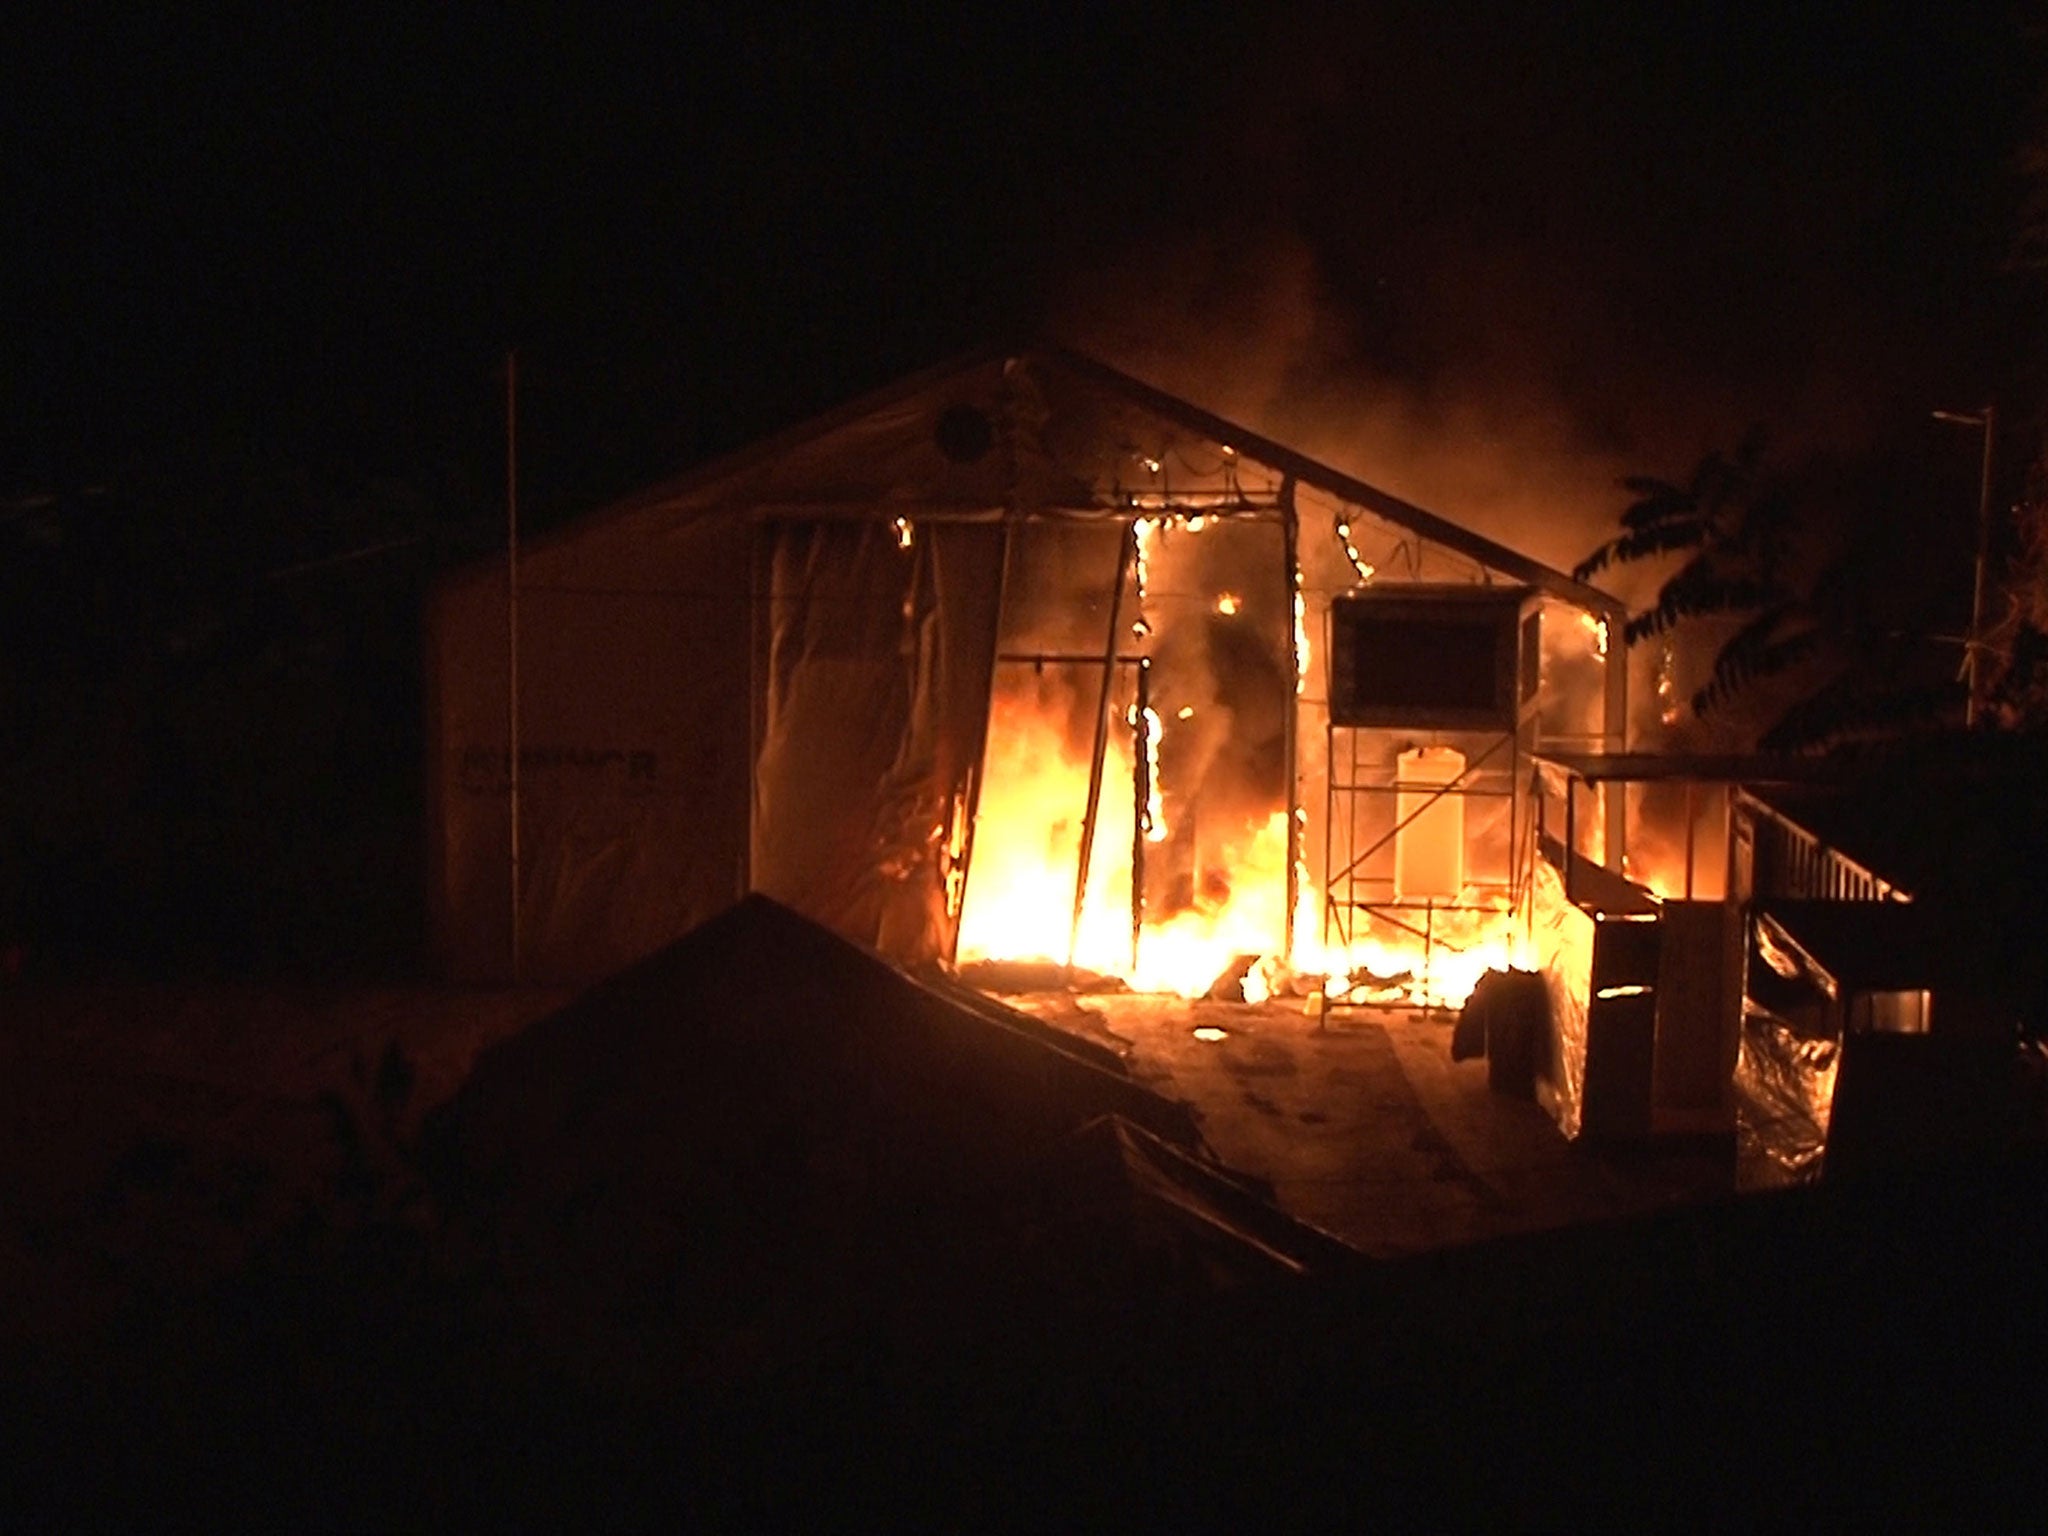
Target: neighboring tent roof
x=897, y=462
x=762, y=998
x=764, y=1136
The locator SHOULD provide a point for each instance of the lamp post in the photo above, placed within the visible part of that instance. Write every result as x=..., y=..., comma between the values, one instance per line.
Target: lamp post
x=1973, y=647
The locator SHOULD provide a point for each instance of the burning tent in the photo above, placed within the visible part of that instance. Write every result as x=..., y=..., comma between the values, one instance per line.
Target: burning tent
x=1019, y=659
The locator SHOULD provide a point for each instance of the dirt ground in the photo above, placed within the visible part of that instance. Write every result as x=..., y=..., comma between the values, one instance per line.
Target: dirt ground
x=156, y=1135
x=1363, y=1125
x=180, y=1169
x=160, y=1133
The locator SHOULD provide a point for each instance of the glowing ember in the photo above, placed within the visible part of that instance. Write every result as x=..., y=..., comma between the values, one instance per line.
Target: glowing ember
x=1154, y=826
x=1300, y=640
x=1210, y=1032
x=1228, y=604
x=1358, y=561
x=1597, y=628
x=1145, y=538
x=1403, y=968
x=904, y=532
x=1257, y=986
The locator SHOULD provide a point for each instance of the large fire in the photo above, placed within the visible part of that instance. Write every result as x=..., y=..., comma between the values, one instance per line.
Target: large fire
x=1020, y=894
x=1198, y=731
x=1020, y=899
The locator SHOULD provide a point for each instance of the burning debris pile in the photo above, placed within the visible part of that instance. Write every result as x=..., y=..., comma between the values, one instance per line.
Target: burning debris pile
x=764, y=1137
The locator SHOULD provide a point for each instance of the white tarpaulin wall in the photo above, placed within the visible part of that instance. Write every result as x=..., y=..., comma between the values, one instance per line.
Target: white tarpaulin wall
x=633, y=758
x=773, y=674
x=750, y=681
x=872, y=717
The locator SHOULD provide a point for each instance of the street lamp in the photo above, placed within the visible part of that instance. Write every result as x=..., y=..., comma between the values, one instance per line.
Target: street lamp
x=1973, y=650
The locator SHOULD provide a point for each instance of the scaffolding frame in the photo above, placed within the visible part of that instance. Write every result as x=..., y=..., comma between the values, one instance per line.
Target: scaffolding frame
x=1353, y=783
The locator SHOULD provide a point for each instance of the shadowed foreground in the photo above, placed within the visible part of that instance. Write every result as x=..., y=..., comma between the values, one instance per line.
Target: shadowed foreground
x=819, y=1243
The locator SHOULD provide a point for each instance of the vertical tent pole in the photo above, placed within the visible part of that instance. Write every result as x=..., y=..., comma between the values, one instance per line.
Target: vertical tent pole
x=760, y=634
x=1141, y=791
x=1571, y=835
x=1975, y=654
x=980, y=765
x=1691, y=827
x=512, y=635
x=1615, y=830
x=1290, y=533
x=1013, y=517
x=1127, y=552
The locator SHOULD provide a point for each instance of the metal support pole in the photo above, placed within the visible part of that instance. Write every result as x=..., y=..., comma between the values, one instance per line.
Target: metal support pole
x=1571, y=834
x=1691, y=827
x=1290, y=535
x=1141, y=809
x=980, y=764
x=1615, y=728
x=512, y=640
x=1985, y=421
x=1126, y=554
x=1976, y=651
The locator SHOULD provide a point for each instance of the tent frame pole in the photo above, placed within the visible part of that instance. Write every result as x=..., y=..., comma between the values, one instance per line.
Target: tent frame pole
x=512, y=644
x=1141, y=810
x=1127, y=552
x=1290, y=535
x=980, y=767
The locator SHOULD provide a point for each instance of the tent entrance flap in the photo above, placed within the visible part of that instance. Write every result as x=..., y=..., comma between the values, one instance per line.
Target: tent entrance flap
x=1136, y=754
x=879, y=648
x=1036, y=783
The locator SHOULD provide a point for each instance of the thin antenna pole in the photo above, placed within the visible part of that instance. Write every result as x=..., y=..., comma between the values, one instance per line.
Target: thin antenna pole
x=1985, y=421
x=512, y=635
x=1290, y=557
x=1976, y=650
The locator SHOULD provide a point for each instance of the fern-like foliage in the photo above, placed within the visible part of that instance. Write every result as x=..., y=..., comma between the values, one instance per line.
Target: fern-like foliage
x=1697, y=592
x=1773, y=643
x=1735, y=522
x=1651, y=538
x=1851, y=709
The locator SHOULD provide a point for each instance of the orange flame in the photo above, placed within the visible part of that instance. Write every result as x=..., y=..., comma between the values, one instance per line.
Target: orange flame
x=1020, y=893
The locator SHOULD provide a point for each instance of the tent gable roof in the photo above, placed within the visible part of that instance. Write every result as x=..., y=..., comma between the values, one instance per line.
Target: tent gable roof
x=1039, y=431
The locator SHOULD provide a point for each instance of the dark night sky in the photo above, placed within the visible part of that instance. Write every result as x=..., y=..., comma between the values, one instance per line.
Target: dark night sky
x=320, y=235
x=264, y=267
